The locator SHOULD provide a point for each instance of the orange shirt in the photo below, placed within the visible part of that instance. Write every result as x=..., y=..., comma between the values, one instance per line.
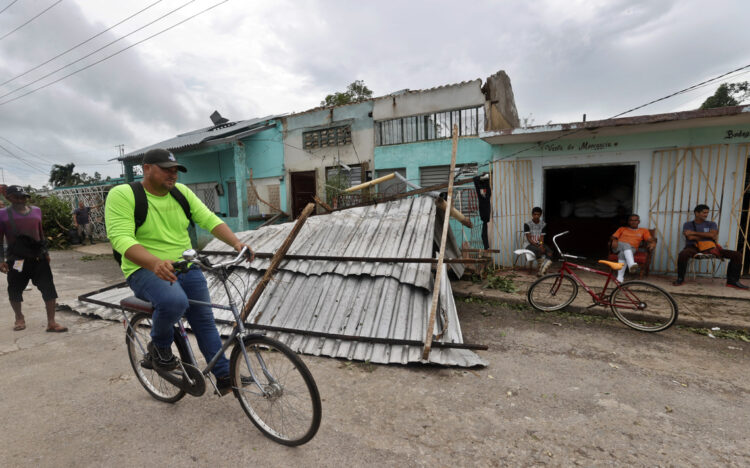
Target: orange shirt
x=632, y=236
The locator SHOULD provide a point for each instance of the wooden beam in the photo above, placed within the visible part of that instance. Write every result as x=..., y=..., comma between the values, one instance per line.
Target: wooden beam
x=370, y=183
x=323, y=204
x=457, y=215
x=443, y=239
x=277, y=257
x=398, y=196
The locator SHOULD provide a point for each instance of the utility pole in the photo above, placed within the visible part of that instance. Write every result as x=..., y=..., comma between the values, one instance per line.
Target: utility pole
x=2, y=171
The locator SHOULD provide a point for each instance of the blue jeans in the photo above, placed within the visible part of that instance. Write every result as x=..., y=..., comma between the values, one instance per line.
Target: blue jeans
x=170, y=301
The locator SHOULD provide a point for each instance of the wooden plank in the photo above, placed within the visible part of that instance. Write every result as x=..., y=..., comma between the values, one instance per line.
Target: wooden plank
x=441, y=254
x=277, y=257
x=323, y=204
x=371, y=183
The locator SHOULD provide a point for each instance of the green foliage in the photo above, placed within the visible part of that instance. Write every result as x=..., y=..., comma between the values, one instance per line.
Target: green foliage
x=355, y=92
x=56, y=219
x=503, y=283
x=336, y=184
x=741, y=335
x=731, y=94
x=64, y=176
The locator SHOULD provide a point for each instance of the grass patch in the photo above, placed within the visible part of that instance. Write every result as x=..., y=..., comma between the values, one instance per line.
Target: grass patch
x=91, y=258
x=739, y=335
x=365, y=366
x=502, y=283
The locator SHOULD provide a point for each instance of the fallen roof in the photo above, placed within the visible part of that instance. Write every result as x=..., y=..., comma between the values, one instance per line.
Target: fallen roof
x=387, y=301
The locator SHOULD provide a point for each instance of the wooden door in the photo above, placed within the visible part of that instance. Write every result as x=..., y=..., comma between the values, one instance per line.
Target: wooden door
x=303, y=190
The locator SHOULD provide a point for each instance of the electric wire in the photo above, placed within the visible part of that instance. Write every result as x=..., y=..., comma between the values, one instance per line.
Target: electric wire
x=23, y=160
x=9, y=5
x=79, y=44
x=29, y=21
x=94, y=52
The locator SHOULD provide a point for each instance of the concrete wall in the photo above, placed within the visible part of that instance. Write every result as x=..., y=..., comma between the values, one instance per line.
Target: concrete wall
x=439, y=99
x=297, y=159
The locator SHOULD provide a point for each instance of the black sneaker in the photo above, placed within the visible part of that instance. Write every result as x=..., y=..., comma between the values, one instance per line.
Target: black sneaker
x=737, y=285
x=678, y=282
x=162, y=357
x=224, y=384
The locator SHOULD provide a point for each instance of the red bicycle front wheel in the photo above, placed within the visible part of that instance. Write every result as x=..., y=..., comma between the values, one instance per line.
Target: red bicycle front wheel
x=552, y=292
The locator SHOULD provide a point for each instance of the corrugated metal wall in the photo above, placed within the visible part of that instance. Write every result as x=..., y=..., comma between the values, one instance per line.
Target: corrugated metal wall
x=512, y=198
x=682, y=178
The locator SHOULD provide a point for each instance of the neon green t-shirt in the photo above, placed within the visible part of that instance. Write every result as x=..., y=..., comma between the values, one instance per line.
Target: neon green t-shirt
x=164, y=233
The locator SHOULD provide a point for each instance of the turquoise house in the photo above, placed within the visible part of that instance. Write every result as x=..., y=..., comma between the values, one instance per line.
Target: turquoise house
x=235, y=168
x=587, y=176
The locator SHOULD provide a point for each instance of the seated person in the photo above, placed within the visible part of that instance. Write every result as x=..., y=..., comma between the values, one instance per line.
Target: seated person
x=534, y=233
x=699, y=230
x=626, y=240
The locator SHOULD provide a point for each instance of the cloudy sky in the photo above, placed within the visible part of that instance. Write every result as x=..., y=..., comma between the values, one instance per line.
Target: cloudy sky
x=248, y=59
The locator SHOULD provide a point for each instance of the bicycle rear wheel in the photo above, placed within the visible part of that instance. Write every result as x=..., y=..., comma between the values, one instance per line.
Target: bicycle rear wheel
x=284, y=404
x=136, y=338
x=643, y=306
x=552, y=292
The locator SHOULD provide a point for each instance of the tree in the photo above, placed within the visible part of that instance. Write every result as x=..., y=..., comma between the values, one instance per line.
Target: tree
x=62, y=176
x=731, y=94
x=355, y=92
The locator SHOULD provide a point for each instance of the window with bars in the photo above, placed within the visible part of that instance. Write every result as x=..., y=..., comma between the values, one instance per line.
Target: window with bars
x=207, y=194
x=429, y=127
x=327, y=137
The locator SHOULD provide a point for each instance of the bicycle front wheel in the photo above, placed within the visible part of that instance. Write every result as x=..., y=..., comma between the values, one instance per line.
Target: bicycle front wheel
x=643, y=306
x=136, y=338
x=284, y=402
x=552, y=292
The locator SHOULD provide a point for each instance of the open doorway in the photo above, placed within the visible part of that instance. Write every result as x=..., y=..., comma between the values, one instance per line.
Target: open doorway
x=303, y=191
x=591, y=202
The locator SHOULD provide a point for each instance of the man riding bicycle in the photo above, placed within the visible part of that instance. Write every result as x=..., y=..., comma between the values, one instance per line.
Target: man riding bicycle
x=149, y=250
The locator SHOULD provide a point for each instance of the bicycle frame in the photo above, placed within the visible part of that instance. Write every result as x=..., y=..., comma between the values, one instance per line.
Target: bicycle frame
x=568, y=267
x=238, y=333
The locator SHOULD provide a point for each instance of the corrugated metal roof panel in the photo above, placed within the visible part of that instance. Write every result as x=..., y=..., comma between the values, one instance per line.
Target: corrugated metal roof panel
x=196, y=137
x=353, y=298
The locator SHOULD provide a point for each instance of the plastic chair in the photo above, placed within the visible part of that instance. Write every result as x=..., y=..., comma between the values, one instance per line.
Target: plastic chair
x=641, y=257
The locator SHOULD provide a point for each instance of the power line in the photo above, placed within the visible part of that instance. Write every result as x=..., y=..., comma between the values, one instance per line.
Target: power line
x=92, y=53
x=78, y=45
x=27, y=151
x=11, y=4
x=23, y=160
x=573, y=132
x=29, y=21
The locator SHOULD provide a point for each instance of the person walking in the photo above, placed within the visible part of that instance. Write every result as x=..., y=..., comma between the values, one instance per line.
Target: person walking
x=82, y=221
x=26, y=258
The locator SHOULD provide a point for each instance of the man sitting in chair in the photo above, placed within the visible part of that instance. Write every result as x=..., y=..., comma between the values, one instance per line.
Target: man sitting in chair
x=700, y=236
x=626, y=240
x=533, y=230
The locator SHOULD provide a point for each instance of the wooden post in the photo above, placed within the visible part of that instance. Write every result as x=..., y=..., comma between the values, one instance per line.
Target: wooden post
x=322, y=204
x=443, y=238
x=457, y=215
x=277, y=257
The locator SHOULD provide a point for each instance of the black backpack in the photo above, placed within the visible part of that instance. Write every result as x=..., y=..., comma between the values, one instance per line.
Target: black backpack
x=141, y=209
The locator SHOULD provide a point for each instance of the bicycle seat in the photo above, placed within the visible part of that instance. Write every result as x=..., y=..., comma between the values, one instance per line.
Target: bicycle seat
x=613, y=265
x=133, y=303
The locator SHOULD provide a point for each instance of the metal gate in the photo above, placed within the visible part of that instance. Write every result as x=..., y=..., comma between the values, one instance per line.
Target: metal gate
x=685, y=177
x=92, y=196
x=512, y=195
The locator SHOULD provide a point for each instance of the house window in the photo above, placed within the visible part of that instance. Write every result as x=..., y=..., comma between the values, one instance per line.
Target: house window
x=207, y=193
x=327, y=137
x=429, y=127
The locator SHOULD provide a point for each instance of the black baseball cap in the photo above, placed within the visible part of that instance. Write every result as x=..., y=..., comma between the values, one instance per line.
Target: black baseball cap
x=162, y=158
x=16, y=190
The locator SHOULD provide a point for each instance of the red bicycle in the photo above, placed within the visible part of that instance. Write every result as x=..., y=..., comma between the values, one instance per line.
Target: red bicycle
x=638, y=304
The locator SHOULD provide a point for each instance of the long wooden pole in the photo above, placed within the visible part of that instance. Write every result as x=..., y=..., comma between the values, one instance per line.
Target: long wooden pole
x=370, y=183
x=278, y=256
x=443, y=238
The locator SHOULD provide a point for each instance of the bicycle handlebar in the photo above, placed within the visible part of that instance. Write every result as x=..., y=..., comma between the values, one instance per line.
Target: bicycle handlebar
x=554, y=241
x=191, y=256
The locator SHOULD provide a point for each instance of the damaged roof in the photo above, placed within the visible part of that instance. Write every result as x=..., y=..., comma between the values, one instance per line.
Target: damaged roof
x=379, y=300
x=214, y=133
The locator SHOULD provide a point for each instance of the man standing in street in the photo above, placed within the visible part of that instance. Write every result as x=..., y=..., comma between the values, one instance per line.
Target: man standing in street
x=82, y=221
x=26, y=258
x=149, y=250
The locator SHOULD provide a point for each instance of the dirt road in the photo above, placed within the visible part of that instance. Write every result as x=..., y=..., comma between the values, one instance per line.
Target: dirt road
x=559, y=391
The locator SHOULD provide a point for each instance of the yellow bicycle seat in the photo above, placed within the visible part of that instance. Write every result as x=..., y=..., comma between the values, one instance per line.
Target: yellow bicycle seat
x=613, y=265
